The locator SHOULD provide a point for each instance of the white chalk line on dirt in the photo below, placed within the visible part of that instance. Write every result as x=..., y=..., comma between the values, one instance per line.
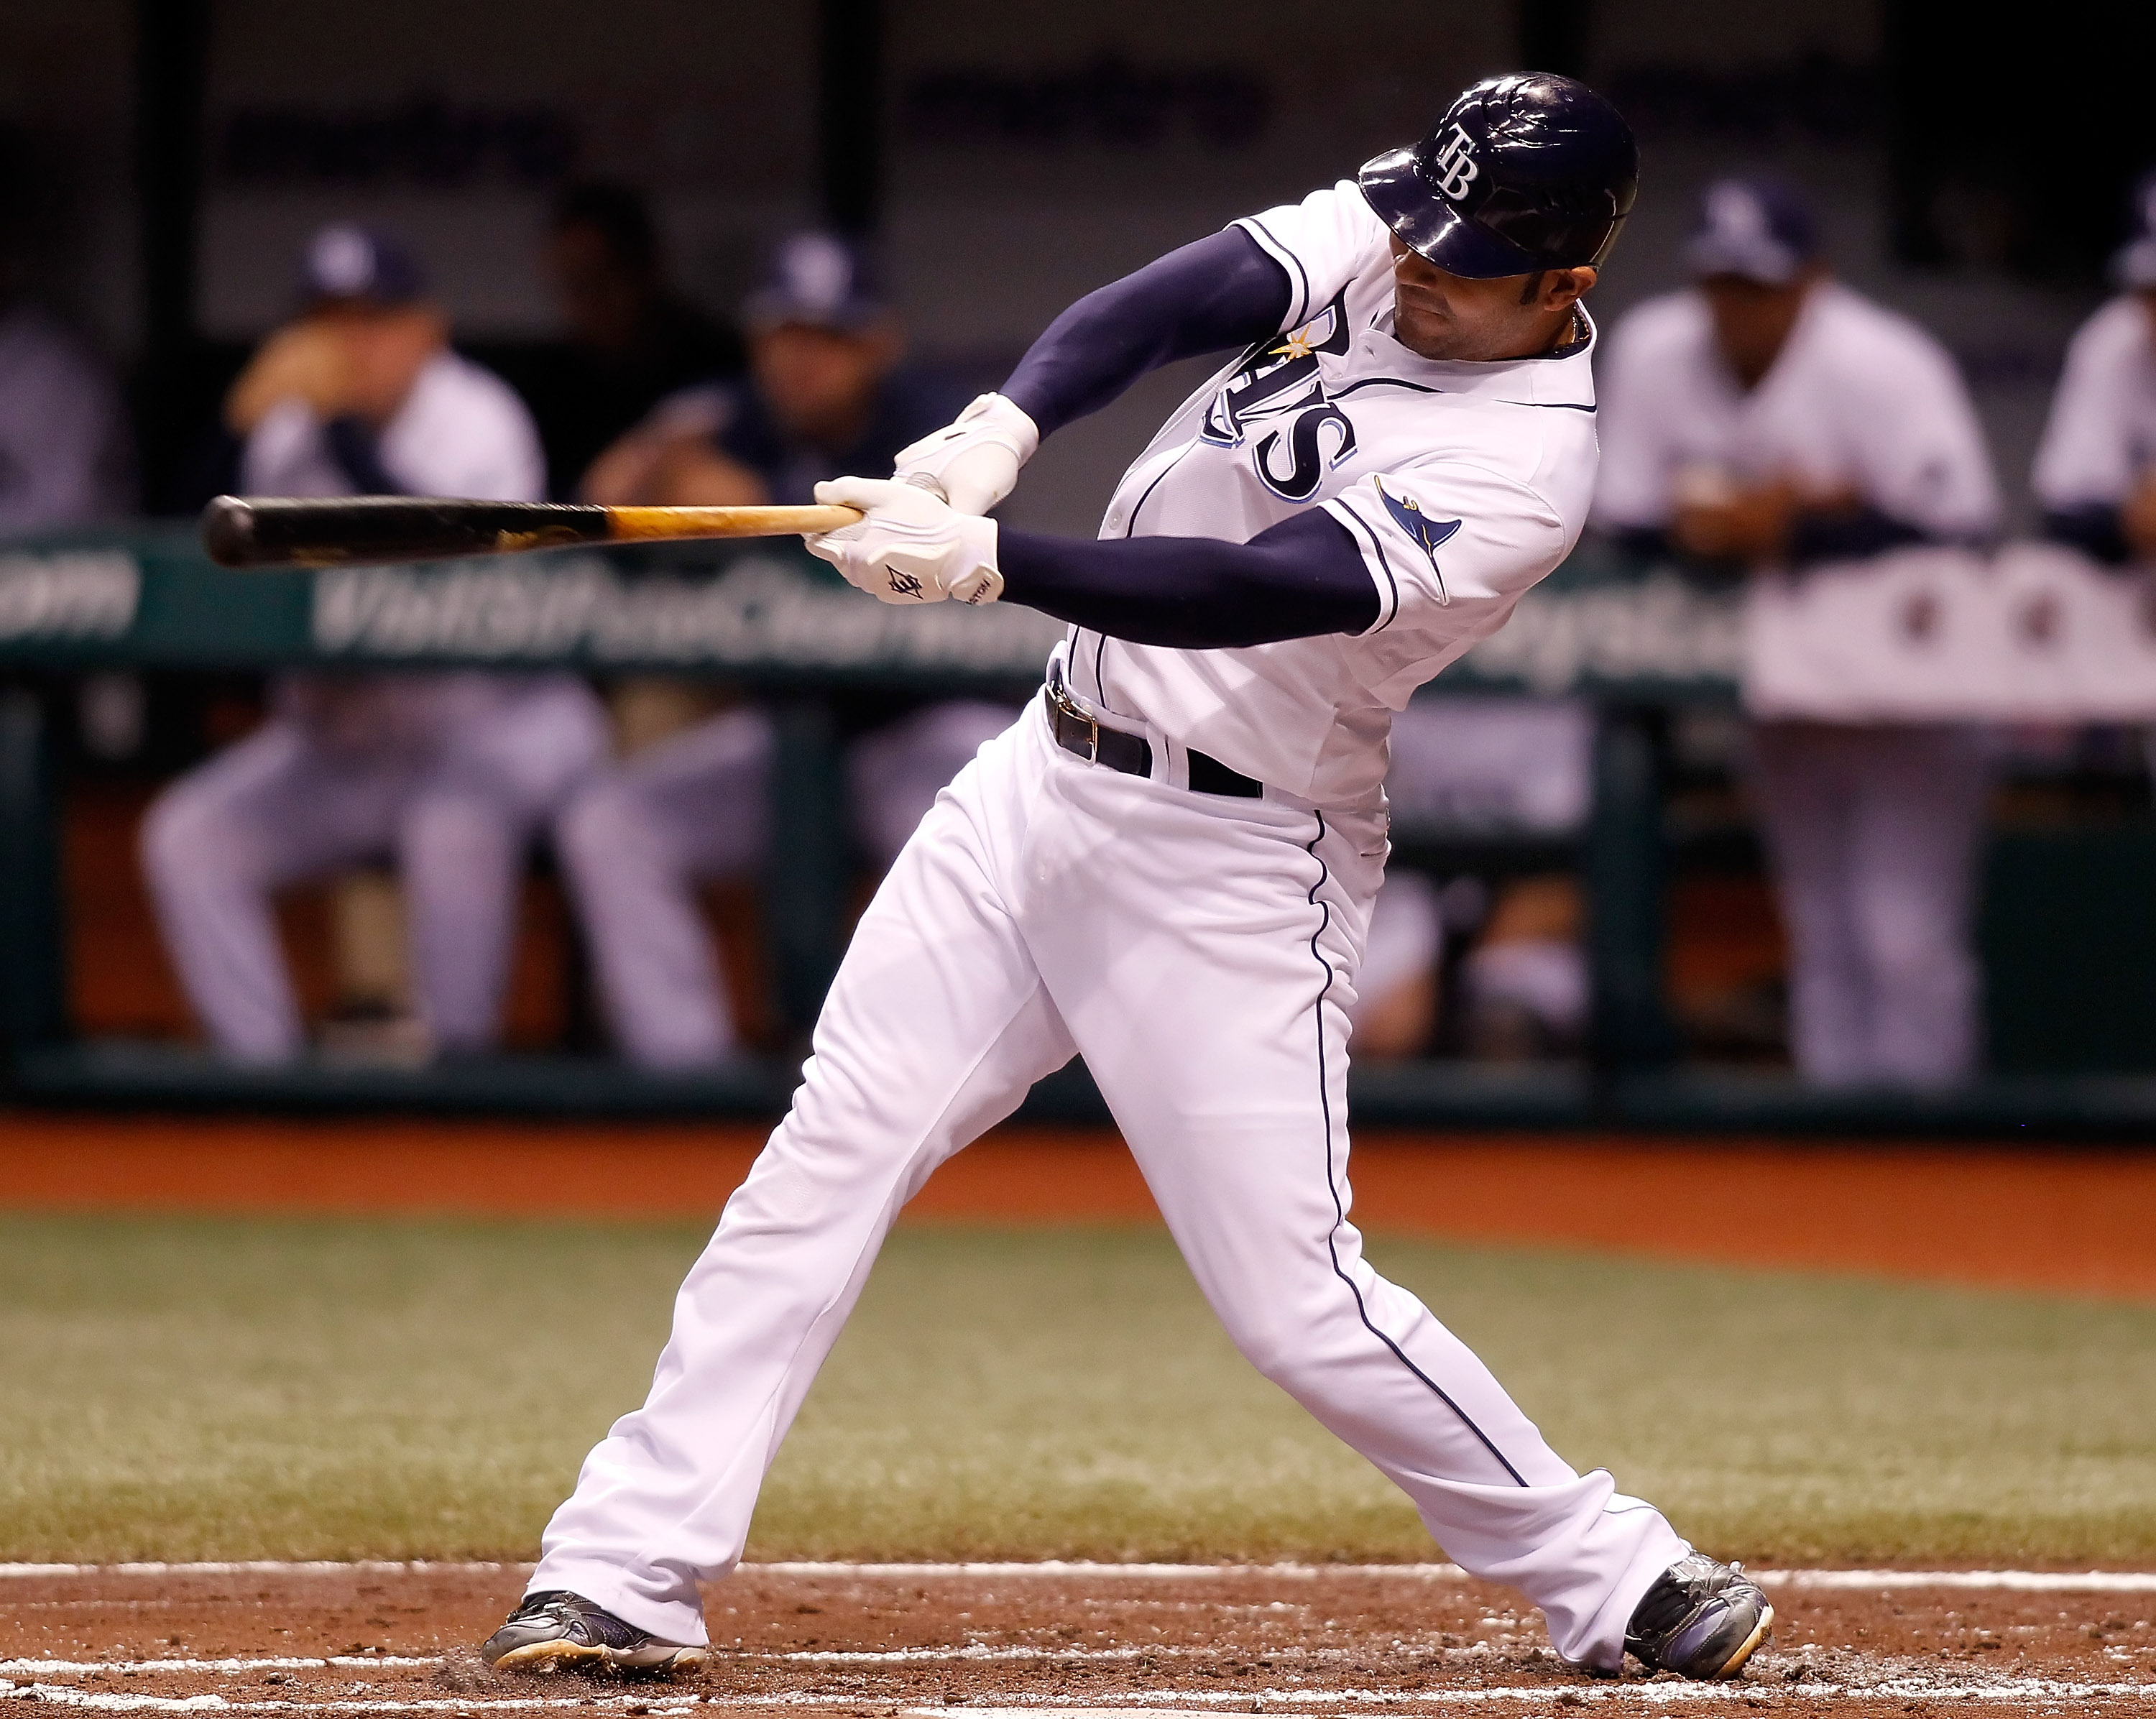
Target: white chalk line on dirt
x=2009, y=1581
x=805, y=1656
x=261, y=1566
x=2020, y=1689
x=971, y=1652
x=1164, y=1704
x=126, y=1668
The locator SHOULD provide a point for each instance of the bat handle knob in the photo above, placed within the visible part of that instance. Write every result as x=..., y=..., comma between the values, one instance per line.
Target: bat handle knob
x=228, y=531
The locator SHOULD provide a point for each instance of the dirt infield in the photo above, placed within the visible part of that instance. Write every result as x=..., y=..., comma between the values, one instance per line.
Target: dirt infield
x=883, y=1640
x=2079, y=1221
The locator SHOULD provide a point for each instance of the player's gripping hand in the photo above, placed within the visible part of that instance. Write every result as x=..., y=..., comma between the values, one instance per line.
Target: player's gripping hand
x=911, y=547
x=974, y=461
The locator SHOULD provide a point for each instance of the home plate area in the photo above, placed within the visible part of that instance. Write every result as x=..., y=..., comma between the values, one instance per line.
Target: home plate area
x=1069, y=1640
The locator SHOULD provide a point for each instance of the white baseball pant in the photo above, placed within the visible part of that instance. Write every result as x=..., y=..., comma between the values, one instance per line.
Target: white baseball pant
x=634, y=843
x=1874, y=832
x=1201, y=953
x=637, y=841
x=282, y=806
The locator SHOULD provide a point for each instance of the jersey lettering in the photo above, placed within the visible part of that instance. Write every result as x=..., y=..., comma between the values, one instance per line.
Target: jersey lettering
x=1278, y=378
x=1306, y=441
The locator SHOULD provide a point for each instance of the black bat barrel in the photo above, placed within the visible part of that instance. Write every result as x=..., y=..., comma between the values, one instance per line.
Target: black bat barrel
x=258, y=531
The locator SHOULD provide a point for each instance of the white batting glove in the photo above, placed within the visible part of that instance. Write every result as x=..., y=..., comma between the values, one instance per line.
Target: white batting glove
x=911, y=547
x=974, y=463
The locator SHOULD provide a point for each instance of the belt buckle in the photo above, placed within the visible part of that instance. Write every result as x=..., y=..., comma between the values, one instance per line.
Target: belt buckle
x=1067, y=706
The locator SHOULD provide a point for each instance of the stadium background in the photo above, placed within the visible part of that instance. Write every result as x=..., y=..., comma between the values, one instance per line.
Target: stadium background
x=289, y=1318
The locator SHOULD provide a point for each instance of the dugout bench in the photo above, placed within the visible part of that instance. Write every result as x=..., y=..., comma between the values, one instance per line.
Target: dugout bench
x=1641, y=642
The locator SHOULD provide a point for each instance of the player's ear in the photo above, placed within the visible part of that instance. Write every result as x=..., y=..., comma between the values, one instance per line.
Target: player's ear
x=1564, y=288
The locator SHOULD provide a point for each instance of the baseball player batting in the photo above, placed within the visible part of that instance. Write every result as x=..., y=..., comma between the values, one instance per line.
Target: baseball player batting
x=1167, y=866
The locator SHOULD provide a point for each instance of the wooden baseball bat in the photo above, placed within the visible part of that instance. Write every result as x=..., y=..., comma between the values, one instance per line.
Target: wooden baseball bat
x=266, y=532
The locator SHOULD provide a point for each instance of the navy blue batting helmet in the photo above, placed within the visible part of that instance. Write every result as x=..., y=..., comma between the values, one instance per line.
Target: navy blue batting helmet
x=1524, y=173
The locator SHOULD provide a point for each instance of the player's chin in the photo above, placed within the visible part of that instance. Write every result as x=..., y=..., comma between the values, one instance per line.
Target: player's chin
x=1425, y=331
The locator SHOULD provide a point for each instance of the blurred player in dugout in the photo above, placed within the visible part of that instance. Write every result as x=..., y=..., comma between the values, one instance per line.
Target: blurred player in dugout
x=1773, y=418
x=446, y=774
x=2096, y=467
x=66, y=454
x=628, y=339
x=825, y=396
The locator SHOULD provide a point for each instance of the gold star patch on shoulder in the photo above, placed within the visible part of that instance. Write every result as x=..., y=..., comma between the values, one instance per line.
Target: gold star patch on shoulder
x=1295, y=345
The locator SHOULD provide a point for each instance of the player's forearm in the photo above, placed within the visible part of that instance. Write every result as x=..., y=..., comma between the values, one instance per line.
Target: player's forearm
x=1300, y=579
x=1219, y=294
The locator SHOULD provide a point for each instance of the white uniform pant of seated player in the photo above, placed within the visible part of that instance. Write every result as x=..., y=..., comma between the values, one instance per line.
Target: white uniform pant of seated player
x=694, y=808
x=1201, y=953
x=281, y=807
x=1875, y=834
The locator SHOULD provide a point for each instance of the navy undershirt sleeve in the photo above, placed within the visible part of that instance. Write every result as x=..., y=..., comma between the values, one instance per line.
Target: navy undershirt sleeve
x=1300, y=578
x=1218, y=295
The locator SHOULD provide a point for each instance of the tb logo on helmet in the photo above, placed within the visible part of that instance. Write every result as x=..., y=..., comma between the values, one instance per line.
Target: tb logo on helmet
x=1457, y=159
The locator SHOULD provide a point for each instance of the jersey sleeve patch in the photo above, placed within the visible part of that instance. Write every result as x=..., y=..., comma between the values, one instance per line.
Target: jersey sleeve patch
x=1450, y=547
x=1429, y=535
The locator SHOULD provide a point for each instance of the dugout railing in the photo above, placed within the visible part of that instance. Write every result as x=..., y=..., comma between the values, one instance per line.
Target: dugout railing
x=1639, y=643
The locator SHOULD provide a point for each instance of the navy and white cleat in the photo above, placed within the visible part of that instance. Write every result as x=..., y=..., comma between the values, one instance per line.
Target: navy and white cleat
x=1700, y=1618
x=560, y=1631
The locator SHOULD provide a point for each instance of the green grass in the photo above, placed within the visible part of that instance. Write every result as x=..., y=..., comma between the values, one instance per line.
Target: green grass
x=182, y=1388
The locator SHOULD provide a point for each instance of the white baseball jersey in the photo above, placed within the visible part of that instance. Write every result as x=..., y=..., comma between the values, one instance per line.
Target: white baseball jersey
x=1858, y=399
x=1462, y=485
x=2100, y=440
x=461, y=431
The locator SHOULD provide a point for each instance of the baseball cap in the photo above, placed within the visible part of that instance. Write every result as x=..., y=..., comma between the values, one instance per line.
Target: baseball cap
x=1755, y=226
x=2133, y=264
x=818, y=278
x=348, y=261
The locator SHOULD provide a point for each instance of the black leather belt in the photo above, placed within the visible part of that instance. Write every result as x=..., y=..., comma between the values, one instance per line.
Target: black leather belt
x=1131, y=754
